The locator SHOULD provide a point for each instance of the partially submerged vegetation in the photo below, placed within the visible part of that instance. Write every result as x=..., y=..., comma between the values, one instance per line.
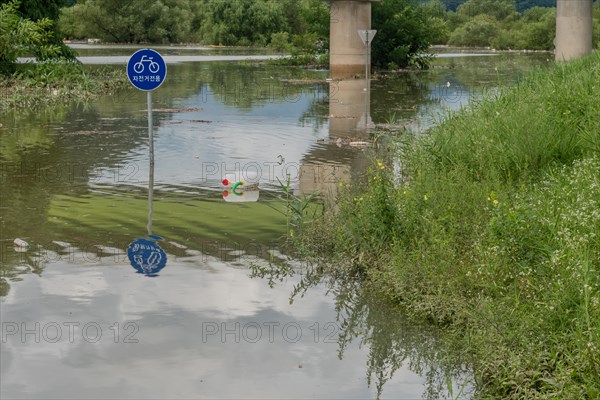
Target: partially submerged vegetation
x=56, y=82
x=489, y=227
x=56, y=77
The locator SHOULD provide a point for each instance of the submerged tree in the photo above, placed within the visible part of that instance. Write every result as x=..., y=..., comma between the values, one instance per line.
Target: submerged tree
x=403, y=34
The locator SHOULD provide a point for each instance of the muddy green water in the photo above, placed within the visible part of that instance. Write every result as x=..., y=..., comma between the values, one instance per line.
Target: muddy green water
x=78, y=319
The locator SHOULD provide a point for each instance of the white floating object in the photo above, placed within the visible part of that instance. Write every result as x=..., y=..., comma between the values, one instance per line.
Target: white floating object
x=21, y=243
x=241, y=196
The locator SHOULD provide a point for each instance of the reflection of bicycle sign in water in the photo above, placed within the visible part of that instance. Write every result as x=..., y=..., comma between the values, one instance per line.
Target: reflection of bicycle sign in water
x=138, y=67
x=146, y=256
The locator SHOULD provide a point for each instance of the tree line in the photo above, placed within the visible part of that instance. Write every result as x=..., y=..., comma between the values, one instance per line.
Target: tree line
x=299, y=26
x=520, y=5
x=224, y=22
x=501, y=24
x=406, y=28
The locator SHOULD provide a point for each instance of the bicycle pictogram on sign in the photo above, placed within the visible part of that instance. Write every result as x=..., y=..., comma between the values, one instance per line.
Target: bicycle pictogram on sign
x=139, y=66
x=146, y=69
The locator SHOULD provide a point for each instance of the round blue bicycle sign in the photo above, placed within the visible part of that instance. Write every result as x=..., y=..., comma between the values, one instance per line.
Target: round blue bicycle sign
x=146, y=69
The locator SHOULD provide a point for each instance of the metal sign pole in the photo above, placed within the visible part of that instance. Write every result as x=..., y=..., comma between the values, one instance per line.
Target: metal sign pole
x=151, y=156
x=367, y=55
x=367, y=35
x=368, y=58
x=368, y=82
x=147, y=70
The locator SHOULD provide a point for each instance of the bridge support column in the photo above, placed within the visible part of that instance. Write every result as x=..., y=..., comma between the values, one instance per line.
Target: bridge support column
x=347, y=51
x=573, y=29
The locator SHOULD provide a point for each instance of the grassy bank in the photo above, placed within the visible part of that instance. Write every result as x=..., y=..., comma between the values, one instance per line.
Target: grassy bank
x=490, y=228
x=51, y=83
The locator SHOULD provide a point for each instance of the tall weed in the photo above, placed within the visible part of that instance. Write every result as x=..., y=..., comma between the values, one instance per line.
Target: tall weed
x=489, y=226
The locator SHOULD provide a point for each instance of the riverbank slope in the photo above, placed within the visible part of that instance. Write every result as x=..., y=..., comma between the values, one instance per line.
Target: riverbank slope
x=489, y=227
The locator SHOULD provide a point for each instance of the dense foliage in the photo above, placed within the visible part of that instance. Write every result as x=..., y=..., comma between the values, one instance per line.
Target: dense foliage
x=38, y=9
x=403, y=34
x=21, y=36
x=497, y=23
x=224, y=22
x=46, y=12
x=56, y=77
x=487, y=225
x=521, y=5
x=501, y=24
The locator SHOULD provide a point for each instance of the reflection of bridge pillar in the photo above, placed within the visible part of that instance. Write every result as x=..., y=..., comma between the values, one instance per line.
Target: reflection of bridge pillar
x=324, y=178
x=347, y=51
x=326, y=165
x=573, y=29
x=349, y=108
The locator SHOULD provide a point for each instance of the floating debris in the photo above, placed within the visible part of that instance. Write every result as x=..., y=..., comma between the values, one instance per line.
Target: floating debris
x=201, y=121
x=397, y=126
x=93, y=132
x=343, y=116
x=20, y=243
x=302, y=81
x=350, y=141
x=175, y=110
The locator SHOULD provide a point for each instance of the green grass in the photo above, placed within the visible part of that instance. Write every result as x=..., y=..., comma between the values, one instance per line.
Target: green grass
x=492, y=232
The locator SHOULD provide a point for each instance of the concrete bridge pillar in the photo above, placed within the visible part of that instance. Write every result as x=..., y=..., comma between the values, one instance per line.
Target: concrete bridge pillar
x=573, y=29
x=347, y=51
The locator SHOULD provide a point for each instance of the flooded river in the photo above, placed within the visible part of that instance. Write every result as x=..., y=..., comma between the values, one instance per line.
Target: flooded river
x=94, y=307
